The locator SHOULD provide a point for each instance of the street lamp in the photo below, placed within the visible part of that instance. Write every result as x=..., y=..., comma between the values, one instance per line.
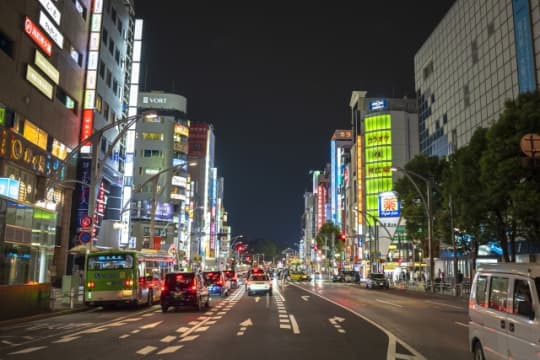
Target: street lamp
x=95, y=140
x=426, y=200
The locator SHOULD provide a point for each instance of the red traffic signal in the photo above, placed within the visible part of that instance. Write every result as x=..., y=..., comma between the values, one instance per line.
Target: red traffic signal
x=342, y=237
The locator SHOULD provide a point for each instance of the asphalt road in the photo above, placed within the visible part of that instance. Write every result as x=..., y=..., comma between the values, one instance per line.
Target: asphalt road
x=314, y=320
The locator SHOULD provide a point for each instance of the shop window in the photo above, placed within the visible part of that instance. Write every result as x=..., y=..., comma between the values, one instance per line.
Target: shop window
x=6, y=45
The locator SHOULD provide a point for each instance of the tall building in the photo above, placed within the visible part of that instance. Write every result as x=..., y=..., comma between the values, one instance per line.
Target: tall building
x=481, y=54
x=43, y=51
x=201, y=153
x=386, y=136
x=160, y=176
x=102, y=158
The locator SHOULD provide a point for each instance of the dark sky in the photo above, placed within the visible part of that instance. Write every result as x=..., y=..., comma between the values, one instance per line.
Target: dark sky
x=275, y=80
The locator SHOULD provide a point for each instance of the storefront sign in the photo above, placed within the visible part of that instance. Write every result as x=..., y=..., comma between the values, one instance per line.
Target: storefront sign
x=52, y=10
x=48, y=68
x=9, y=188
x=39, y=82
x=39, y=38
x=50, y=29
x=25, y=154
x=389, y=204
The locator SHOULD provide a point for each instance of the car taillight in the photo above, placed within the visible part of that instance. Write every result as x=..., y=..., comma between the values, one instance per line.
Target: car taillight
x=128, y=283
x=91, y=284
x=220, y=282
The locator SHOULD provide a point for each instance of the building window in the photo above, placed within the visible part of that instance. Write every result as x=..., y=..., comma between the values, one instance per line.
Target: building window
x=491, y=28
x=474, y=52
x=466, y=96
x=115, y=87
x=428, y=70
x=105, y=110
x=80, y=8
x=98, y=103
x=104, y=36
x=67, y=100
x=113, y=14
x=6, y=45
x=109, y=78
x=111, y=46
x=117, y=56
x=120, y=26
x=102, y=69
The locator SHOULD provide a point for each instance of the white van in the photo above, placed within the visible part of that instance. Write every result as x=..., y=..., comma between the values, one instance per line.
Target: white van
x=504, y=312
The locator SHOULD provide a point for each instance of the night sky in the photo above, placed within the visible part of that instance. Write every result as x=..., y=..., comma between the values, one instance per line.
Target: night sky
x=275, y=80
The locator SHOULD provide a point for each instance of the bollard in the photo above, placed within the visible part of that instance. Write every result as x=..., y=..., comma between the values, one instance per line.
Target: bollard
x=72, y=298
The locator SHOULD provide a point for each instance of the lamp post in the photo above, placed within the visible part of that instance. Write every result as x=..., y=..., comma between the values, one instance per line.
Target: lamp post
x=376, y=221
x=97, y=169
x=426, y=200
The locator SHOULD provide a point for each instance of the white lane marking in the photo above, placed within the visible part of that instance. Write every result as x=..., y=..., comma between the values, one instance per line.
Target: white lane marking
x=211, y=322
x=202, y=318
x=388, y=303
x=392, y=339
x=284, y=326
x=92, y=331
x=168, y=339
x=182, y=329
x=123, y=336
x=462, y=324
x=283, y=316
x=448, y=305
x=120, y=323
x=150, y=326
x=189, y=338
x=282, y=311
x=27, y=350
x=170, y=349
x=222, y=313
x=66, y=339
x=8, y=342
x=202, y=328
x=217, y=317
x=284, y=320
x=240, y=333
x=146, y=350
x=192, y=323
x=135, y=331
x=149, y=314
x=295, y=327
x=341, y=331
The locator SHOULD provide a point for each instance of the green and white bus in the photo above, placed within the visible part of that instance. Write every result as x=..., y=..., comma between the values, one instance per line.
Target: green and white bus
x=125, y=276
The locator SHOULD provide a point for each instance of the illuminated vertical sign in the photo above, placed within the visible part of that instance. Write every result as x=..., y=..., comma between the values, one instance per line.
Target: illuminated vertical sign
x=51, y=29
x=359, y=178
x=378, y=159
x=320, y=208
x=333, y=182
x=52, y=10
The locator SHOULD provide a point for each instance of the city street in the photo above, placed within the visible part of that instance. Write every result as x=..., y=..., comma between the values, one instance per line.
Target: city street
x=317, y=320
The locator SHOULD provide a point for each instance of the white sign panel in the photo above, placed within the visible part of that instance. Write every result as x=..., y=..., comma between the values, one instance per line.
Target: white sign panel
x=50, y=29
x=47, y=67
x=39, y=82
x=52, y=10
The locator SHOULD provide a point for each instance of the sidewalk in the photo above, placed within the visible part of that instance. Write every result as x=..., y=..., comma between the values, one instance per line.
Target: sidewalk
x=59, y=305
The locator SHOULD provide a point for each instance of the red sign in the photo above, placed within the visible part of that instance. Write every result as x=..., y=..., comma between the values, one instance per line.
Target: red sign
x=86, y=221
x=39, y=38
x=157, y=242
x=87, y=124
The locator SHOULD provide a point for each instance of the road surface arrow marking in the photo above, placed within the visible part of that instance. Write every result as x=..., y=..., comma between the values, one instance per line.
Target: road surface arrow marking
x=336, y=320
x=243, y=326
x=247, y=322
x=305, y=297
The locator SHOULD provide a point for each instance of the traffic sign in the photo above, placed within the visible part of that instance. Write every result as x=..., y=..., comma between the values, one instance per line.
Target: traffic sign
x=86, y=221
x=85, y=237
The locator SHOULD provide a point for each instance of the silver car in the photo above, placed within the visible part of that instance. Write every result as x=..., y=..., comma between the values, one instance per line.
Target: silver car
x=259, y=283
x=377, y=280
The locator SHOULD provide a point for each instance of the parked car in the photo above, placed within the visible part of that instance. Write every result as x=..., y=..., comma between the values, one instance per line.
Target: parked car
x=299, y=276
x=346, y=276
x=184, y=289
x=259, y=283
x=230, y=275
x=215, y=282
x=376, y=280
x=504, y=312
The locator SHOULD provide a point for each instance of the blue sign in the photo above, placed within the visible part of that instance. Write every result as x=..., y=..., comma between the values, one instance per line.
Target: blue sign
x=379, y=104
x=85, y=237
x=524, y=46
x=9, y=188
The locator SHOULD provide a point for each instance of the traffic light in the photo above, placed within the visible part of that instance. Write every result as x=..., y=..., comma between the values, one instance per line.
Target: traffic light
x=342, y=237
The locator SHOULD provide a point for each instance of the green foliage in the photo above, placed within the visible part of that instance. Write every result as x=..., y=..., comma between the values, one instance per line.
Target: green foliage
x=493, y=195
x=327, y=236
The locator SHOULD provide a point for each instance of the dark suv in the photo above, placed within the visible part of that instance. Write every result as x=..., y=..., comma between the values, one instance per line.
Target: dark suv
x=184, y=289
